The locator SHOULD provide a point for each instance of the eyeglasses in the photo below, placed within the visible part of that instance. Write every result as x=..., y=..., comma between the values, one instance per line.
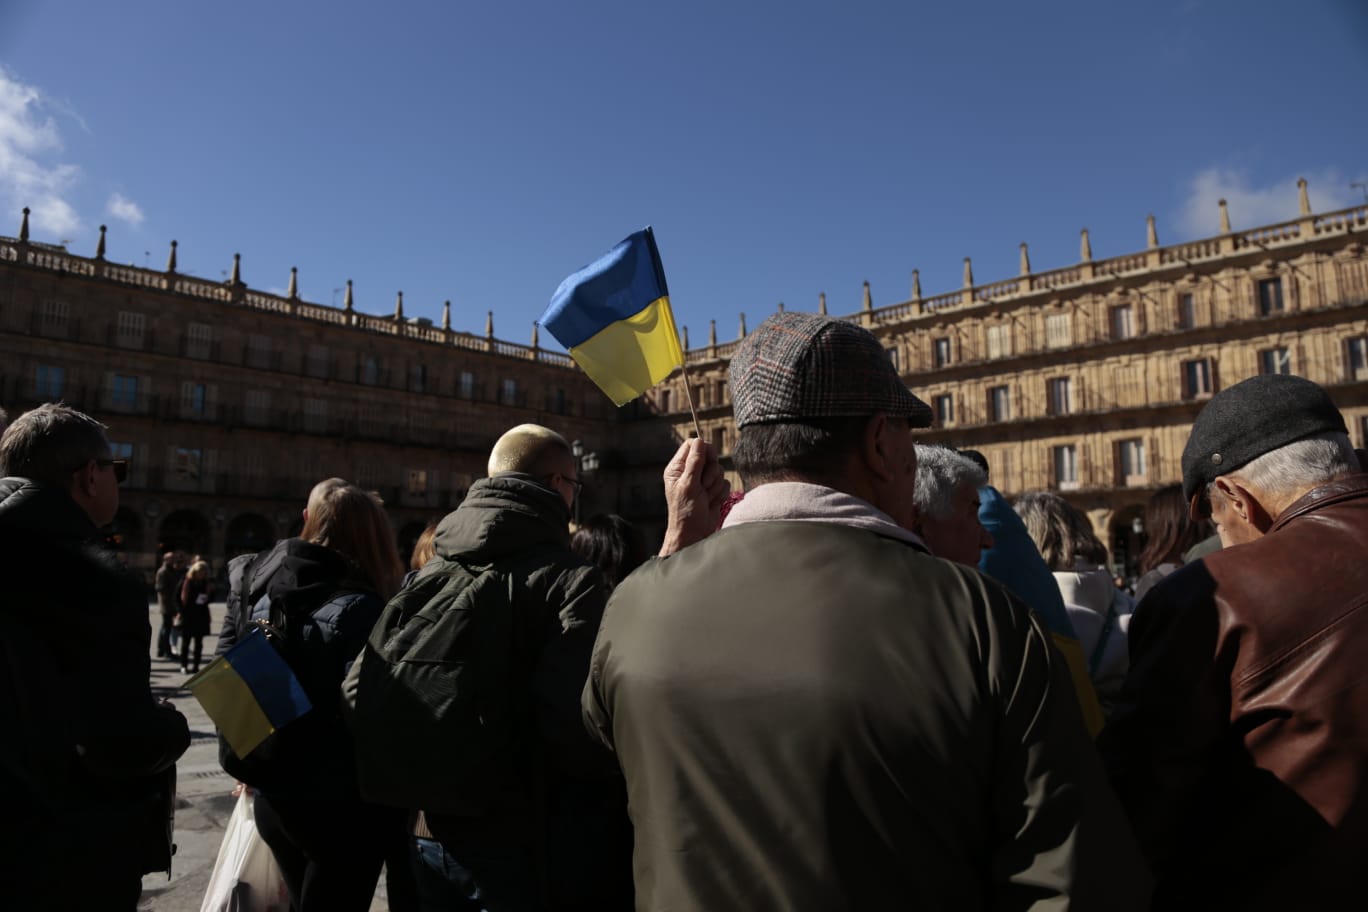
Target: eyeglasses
x=573, y=482
x=120, y=467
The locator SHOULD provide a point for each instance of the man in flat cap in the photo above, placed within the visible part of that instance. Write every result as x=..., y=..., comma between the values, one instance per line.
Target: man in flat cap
x=813, y=713
x=1240, y=745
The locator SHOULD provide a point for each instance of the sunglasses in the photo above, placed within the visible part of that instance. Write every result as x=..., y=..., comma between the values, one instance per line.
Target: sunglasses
x=120, y=467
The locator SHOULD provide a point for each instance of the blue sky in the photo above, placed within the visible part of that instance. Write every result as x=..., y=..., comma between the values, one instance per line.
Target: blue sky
x=480, y=152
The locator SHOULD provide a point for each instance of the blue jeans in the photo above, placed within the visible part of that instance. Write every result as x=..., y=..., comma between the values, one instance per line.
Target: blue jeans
x=487, y=877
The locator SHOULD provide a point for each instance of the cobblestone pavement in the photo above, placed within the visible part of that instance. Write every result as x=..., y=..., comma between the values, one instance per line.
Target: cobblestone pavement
x=204, y=795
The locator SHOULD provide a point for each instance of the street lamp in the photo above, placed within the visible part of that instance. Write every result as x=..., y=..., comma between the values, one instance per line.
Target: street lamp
x=577, y=450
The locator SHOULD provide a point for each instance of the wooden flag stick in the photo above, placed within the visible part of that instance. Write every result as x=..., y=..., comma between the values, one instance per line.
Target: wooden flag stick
x=688, y=392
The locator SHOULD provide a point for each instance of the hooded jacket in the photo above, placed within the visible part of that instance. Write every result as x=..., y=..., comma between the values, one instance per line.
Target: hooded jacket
x=570, y=793
x=513, y=520
x=87, y=755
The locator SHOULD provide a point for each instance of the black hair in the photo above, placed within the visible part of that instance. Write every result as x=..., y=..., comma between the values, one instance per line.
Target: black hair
x=612, y=543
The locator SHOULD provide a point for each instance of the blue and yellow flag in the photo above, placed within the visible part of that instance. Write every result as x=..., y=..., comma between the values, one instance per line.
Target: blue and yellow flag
x=249, y=692
x=614, y=317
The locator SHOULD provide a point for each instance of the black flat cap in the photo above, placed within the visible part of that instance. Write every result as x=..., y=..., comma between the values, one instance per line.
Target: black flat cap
x=1254, y=417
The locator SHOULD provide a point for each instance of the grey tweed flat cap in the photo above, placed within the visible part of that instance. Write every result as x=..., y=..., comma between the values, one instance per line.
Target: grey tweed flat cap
x=1251, y=418
x=797, y=366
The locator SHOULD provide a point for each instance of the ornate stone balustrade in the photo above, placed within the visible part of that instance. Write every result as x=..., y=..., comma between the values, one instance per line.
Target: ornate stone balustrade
x=43, y=256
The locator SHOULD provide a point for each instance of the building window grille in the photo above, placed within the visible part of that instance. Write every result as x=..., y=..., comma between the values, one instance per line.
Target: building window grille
x=1356, y=357
x=466, y=387
x=1197, y=379
x=1187, y=311
x=508, y=392
x=1123, y=322
x=199, y=340
x=123, y=392
x=1000, y=403
x=259, y=351
x=999, y=340
x=1066, y=467
x=1058, y=396
x=558, y=401
x=892, y=353
x=53, y=317
x=370, y=370
x=318, y=361
x=194, y=399
x=1058, y=330
x=940, y=351
x=130, y=329
x=1270, y=297
x=417, y=482
x=188, y=462
x=945, y=408
x=1130, y=455
x=315, y=416
x=49, y=382
x=1275, y=361
x=258, y=407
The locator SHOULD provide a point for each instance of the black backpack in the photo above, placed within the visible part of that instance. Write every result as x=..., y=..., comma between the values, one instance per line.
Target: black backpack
x=442, y=712
x=282, y=758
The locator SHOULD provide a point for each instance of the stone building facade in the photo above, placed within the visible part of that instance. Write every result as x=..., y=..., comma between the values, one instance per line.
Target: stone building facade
x=230, y=403
x=1086, y=379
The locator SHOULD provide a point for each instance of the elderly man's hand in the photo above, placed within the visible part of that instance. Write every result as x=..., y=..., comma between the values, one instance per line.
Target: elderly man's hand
x=694, y=490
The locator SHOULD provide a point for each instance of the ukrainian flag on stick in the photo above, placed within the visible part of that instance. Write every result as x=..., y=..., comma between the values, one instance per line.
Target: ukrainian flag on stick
x=249, y=692
x=614, y=317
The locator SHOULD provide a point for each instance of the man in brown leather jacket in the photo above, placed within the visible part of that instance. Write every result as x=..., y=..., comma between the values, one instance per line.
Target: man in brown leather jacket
x=1240, y=745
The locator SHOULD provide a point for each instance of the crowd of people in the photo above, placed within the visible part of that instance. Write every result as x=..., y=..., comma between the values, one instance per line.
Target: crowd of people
x=869, y=681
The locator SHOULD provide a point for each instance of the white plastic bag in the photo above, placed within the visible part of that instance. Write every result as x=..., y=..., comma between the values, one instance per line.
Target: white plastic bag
x=246, y=877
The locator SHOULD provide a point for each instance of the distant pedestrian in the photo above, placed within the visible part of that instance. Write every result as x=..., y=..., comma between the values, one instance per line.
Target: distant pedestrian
x=195, y=592
x=167, y=584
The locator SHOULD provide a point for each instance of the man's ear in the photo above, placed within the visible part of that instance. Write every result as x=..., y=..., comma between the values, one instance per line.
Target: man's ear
x=1245, y=502
x=875, y=448
x=81, y=487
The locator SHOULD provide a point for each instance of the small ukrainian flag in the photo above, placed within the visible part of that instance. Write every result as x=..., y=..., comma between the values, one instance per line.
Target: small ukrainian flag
x=614, y=317
x=249, y=692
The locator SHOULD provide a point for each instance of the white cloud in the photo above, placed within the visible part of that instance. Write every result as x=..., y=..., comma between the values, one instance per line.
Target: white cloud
x=124, y=209
x=29, y=175
x=1251, y=206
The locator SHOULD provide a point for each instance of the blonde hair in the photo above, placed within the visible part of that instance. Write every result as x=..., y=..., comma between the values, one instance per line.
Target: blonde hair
x=531, y=450
x=352, y=522
x=198, y=570
x=1061, y=533
x=425, y=547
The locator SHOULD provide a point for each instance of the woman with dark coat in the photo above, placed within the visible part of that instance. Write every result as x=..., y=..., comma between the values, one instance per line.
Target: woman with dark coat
x=326, y=590
x=195, y=592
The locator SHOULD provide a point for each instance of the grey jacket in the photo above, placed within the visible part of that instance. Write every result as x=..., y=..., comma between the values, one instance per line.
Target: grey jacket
x=816, y=716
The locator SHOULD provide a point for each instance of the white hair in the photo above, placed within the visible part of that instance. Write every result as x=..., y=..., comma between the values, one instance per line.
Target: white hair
x=1300, y=465
x=940, y=473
